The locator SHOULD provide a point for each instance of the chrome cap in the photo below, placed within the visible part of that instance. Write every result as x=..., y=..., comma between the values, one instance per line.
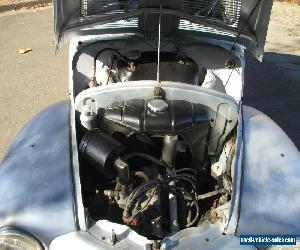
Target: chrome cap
x=158, y=105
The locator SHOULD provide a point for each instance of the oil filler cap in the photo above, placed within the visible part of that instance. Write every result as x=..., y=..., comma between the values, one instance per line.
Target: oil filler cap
x=157, y=105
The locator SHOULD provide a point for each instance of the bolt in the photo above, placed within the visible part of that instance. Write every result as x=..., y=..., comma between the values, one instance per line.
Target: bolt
x=113, y=237
x=159, y=93
x=213, y=214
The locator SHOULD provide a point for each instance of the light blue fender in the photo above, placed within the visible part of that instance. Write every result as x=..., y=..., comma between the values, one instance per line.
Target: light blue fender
x=270, y=187
x=36, y=188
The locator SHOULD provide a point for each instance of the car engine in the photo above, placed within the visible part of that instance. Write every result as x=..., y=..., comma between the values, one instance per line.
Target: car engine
x=145, y=162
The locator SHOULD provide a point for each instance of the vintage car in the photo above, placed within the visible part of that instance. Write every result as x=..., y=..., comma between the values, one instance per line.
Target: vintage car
x=154, y=149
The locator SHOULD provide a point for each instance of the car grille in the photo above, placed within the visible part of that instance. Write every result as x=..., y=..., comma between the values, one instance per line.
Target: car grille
x=225, y=11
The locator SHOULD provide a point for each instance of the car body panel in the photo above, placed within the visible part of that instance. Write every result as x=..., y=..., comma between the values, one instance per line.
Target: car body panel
x=84, y=48
x=71, y=19
x=208, y=236
x=36, y=189
x=270, y=201
x=250, y=190
x=236, y=173
x=40, y=189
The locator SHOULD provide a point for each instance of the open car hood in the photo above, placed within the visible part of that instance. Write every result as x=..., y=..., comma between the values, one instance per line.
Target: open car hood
x=220, y=19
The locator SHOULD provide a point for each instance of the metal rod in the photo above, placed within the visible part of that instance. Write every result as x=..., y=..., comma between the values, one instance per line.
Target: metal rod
x=169, y=151
x=210, y=194
x=158, y=46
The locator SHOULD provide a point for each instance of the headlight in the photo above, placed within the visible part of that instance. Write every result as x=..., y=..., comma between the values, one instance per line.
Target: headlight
x=15, y=240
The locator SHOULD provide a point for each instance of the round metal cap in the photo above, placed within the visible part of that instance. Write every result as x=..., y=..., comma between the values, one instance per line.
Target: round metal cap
x=157, y=105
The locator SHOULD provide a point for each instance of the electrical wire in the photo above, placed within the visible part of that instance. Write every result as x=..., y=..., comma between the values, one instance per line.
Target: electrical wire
x=158, y=46
x=143, y=208
x=192, y=177
x=99, y=53
x=141, y=175
x=186, y=170
x=184, y=175
x=196, y=216
x=228, y=78
x=195, y=203
x=153, y=184
x=147, y=157
x=110, y=69
x=140, y=190
x=210, y=6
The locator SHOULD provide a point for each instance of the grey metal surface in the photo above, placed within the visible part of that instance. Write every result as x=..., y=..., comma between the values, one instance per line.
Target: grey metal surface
x=230, y=16
x=157, y=105
x=270, y=201
x=102, y=235
x=236, y=173
x=226, y=109
x=206, y=237
x=258, y=23
x=36, y=190
x=208, y=53
x=104, y=96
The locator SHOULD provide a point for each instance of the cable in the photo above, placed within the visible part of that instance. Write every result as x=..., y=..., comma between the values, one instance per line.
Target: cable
x=99, y=53
x=187, y=180
x=158, y=46
x=211, y=8
x=186, y=170
x=143, y=208
x=197, y=214
x=141, y=175
x=140, y=190
x=192, y=177
x=228, y=78
x=194, y=201
x=146, y=156
x=210, y=5
x=109, y=74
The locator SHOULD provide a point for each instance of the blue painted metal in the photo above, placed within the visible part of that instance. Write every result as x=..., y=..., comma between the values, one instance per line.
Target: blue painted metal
x=270, y=197
x=36, y=188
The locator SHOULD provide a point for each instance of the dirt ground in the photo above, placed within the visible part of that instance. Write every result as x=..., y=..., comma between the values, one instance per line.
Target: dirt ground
x=284, y=29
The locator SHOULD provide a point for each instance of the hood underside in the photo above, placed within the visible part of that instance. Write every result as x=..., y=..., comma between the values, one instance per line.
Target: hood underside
x=220, y=19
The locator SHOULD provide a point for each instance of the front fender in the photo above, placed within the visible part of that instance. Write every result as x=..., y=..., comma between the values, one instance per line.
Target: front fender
x=270, y=197
x=36, y=188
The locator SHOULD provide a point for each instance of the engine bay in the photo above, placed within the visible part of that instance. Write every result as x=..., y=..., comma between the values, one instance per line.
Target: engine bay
x=151, y=161
x=111, y=67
